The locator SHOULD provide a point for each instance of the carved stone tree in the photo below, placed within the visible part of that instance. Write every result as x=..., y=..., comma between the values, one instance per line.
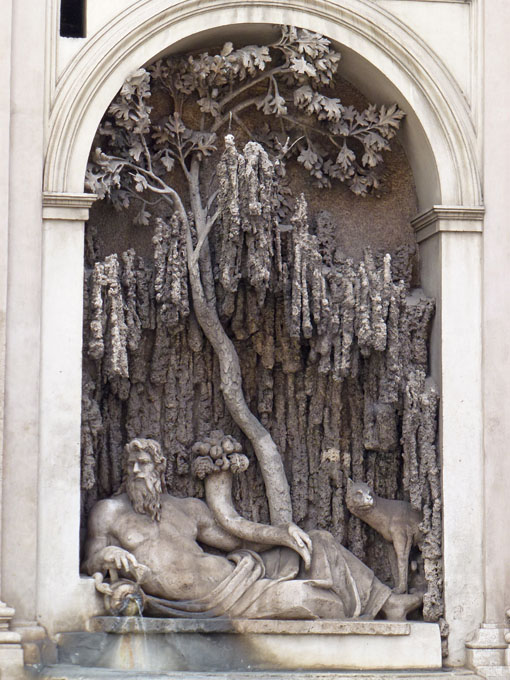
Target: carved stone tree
x=235, y=259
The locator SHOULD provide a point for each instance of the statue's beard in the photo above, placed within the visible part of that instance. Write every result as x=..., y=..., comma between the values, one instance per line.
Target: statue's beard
x=145, y=495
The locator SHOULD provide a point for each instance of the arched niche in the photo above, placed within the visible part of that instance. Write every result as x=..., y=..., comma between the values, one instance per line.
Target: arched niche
x=379, y=53
x=384, y=59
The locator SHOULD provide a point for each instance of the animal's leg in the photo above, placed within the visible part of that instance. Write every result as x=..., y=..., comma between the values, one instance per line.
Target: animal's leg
x=392, y=559
x=402, y=543
x=397, y=607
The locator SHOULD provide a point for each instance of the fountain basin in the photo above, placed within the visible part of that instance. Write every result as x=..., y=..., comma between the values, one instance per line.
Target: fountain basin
x=150, y=644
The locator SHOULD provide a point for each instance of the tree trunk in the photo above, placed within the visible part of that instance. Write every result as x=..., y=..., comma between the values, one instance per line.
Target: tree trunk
x=271, y=465
x=204, y=303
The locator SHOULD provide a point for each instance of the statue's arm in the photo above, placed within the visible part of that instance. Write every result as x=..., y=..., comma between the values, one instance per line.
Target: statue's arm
x=218, y=491
x=208, y=529
x=101, y=551
x=214, y=535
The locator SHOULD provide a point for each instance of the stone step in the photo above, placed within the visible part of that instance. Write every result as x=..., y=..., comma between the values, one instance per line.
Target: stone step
x=70, y=672
x=494, y=672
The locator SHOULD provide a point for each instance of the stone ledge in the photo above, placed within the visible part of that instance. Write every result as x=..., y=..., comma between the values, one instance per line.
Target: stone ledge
x=151, y=626
x=448, y=218
x=68, y=207
x=65, y=672
x=494, y=672
x=219, y=645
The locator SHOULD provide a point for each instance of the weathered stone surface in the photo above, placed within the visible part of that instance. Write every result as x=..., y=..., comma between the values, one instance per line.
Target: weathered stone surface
x=332, y=380
x=418, y=647
x=148, y=625
x=66, y=672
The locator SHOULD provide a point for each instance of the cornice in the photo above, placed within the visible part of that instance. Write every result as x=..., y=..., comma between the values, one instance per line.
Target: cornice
x=56, y=199
x=448, y=218
x=64, y=206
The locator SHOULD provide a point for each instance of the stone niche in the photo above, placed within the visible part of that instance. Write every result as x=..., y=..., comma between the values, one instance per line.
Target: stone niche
x=314, y=269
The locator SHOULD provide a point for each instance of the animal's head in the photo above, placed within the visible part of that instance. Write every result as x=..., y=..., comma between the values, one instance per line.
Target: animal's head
x=121, y=597
x=127, y=599
x=359, y=496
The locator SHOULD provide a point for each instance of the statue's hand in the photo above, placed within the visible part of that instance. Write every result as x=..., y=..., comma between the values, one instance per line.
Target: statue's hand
x=301, y=543
x=117, y=558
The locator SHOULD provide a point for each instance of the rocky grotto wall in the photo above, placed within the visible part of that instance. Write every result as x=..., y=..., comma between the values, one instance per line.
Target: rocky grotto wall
x=317, y=287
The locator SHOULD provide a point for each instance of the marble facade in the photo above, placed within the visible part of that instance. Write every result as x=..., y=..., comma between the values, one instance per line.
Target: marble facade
x=447, y=60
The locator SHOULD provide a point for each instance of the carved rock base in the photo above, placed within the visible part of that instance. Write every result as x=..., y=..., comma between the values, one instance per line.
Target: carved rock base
x=186, y=645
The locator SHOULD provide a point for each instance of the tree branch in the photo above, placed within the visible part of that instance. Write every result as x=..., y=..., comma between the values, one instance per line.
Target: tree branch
x=212, y=198
x=307, y=126
x=138, y=197
x=267, y=74
x=271, y=465
x=201, y=240
x=165, y=190
x=240, y=107
x=242, y=125
x=146, y=152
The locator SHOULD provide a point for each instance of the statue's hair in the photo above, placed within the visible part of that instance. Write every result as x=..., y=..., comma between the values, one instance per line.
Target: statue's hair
x=153, y=448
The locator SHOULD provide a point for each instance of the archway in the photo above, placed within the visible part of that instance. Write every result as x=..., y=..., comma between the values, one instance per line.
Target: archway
x=439, y=141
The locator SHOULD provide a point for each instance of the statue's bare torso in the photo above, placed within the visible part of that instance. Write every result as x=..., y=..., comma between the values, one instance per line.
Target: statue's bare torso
x=179, y=568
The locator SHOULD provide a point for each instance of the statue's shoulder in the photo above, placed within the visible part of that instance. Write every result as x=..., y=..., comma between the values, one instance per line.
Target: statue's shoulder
x=108, y=510
x=188, y=504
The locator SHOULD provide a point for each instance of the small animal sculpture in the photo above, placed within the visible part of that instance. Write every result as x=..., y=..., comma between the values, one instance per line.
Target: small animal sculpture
x=397, y=521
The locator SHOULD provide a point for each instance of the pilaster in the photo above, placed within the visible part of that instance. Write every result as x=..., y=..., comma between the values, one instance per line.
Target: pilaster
x=20, y=256
x=60, y=587
x=450, y=239
x=488, y=649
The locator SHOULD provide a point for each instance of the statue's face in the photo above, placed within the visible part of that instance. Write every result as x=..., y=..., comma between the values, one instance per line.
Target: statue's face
x=143, y=483
x=140, y=465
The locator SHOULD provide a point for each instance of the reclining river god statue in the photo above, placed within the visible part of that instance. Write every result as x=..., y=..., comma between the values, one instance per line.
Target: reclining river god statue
x=155, y=541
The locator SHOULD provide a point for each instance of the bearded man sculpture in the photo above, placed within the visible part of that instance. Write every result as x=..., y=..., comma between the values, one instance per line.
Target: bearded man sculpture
x=269, y=572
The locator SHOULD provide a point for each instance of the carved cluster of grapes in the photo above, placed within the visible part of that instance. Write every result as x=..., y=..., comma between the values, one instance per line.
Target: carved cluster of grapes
x=218, y=453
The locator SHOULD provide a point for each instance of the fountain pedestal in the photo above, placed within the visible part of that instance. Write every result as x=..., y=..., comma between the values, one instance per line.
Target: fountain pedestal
x=134, y=643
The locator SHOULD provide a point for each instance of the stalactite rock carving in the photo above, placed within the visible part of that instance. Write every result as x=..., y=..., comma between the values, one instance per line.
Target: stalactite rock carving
x=241, y=321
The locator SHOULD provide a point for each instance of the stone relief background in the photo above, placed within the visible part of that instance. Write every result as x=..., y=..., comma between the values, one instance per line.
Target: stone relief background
x=343, y=395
